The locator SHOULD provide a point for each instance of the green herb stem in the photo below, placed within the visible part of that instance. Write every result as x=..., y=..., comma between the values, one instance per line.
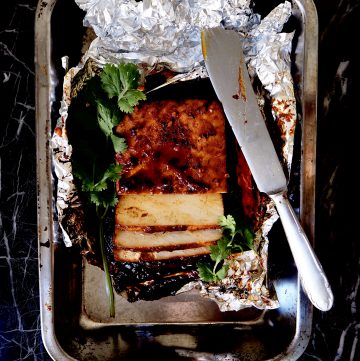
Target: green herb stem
x=215, y=266
x=108, y=282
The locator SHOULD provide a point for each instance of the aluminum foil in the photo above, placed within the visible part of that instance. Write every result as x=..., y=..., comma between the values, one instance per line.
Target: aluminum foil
x=160, y=31
x=166, y=33
x=267, y=52
x=67, y=195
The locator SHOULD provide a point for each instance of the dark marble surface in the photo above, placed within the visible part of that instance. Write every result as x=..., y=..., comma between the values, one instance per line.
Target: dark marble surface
x=335, y=333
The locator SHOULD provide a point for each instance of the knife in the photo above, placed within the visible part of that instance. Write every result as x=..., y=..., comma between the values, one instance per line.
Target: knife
x=224, y=61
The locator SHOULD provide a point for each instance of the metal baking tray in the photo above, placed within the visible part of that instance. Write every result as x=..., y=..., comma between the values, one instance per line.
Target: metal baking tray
x=74, y=318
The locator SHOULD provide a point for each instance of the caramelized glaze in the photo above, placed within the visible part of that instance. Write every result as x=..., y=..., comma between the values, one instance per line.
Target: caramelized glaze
x=174, y=147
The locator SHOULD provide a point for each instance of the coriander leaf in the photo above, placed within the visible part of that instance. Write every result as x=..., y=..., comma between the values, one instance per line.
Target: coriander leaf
x=205, y=273
x=122, y=81
x=249, y=237
x=133, y=96
x=118, y=143
x=95, y=198
x=130, y=99
x=222, y=272
x=112, y=200
x=124, y=106
x=220, y=251
x=104, y=199
x=105, y=119
x=129, y=74
x=244, y=239
x=113, y=78
x=99, y=192
x=113, y=172
x=228, y=223
x=234, y=239
x=109, y=199
x=100, y=186
x=86, y=183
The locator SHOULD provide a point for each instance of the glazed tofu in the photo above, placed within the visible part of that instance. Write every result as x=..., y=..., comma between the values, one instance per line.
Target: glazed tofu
x=174, y=172
x=174, y=147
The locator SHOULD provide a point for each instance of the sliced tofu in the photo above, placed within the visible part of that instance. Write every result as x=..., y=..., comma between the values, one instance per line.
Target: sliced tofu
x=169, y=210
x=126, y=255
x=158, y=241
x=177, y=228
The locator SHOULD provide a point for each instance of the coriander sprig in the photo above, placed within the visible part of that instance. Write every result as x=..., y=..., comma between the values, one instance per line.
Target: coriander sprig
x=107, y=121
x=98, y=180
x=122, y=81
x=234, y=239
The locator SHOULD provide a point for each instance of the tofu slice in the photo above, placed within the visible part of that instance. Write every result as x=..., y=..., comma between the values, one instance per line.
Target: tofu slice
x=159, y=241
x=194, y=210
x=126, y=255
x=177, y=228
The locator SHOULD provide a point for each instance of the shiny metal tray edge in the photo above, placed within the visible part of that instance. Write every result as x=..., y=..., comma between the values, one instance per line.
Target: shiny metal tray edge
x=46, y=244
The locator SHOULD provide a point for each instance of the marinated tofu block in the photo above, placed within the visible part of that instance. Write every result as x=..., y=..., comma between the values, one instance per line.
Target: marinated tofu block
x=198, y=211
x=173, y=147
x=158, y=241
x=174, y=172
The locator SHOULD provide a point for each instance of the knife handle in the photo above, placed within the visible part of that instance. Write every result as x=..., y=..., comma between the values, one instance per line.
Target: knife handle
x=312, y=276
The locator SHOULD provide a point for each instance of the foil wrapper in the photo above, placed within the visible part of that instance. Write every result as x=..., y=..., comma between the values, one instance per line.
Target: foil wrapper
x=166, y=33
x=62, y=150
x=160, y=31
x=68, y=205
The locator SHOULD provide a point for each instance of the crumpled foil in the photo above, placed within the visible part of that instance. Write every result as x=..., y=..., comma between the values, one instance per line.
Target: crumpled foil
x=160, y=31
x=166, y=33
x=67, y=195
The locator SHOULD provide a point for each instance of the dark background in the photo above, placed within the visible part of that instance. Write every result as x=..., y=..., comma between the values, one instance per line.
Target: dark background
x=335, y=333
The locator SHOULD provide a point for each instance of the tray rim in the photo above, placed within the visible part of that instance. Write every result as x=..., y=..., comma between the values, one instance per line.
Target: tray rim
x=43, y=85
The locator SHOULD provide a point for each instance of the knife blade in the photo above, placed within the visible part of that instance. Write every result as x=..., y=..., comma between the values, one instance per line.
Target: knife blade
x=225, y=64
